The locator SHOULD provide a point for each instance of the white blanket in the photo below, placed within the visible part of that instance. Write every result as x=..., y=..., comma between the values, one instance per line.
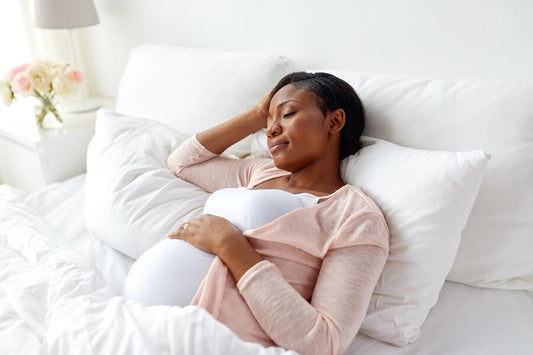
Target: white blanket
x=53, y=300
x=60, y=287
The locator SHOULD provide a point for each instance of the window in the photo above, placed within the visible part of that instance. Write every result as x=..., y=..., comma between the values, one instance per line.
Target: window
x=13, y=39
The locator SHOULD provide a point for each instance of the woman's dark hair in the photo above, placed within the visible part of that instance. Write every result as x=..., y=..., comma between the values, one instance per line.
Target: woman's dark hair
x=332, y=93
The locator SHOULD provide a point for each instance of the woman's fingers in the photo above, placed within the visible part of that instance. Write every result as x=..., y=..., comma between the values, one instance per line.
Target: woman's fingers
x=184, y=228
x=207, y=232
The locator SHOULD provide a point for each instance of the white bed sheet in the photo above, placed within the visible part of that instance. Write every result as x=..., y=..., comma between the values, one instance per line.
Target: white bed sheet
x=62, y=206
x=466, y=320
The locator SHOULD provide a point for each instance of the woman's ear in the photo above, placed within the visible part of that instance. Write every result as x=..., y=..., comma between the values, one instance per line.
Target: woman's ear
x=337, y=119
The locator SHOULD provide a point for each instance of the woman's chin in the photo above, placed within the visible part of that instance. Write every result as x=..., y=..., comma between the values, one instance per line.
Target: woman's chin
x=285, y=164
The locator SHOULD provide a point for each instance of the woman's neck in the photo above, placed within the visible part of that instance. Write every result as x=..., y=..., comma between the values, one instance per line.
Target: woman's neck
x=318, y=178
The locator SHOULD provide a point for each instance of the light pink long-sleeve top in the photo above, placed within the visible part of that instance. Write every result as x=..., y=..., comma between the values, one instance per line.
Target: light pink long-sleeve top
x=322, y=262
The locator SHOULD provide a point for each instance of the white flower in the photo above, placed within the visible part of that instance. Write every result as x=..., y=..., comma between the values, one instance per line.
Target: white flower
x=6, y=95
x=45, y=80
x=67, y=81
x=40, y=74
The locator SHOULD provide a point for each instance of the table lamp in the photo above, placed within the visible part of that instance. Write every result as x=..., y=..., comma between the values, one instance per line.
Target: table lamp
x=69, y=15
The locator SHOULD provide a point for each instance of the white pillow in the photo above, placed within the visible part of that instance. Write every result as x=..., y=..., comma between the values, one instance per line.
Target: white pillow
x=459, y=114
x=426, y=197
x=193, y=89
x=132, y=200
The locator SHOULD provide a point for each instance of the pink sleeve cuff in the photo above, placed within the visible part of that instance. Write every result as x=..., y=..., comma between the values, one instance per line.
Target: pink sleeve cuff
x=188, y=153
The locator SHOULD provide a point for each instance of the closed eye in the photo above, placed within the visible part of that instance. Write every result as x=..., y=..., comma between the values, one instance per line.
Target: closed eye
x=288, y=114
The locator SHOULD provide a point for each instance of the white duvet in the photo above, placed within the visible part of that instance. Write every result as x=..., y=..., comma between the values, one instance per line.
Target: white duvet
x=55, y=300
x=60, y=294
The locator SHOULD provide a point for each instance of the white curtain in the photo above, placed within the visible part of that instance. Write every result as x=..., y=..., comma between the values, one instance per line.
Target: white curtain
x=17, y=38
x=21, y=42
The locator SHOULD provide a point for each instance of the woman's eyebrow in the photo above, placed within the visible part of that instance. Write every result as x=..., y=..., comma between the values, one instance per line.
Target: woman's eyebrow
x=282, y=104
x=286, y=102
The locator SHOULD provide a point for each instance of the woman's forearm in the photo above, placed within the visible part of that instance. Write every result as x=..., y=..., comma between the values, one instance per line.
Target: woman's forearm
x=217, y=139
x=239, y=256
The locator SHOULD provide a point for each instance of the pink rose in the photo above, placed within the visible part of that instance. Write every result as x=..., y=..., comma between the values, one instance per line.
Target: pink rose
x=16, y=70
x=21, y=84
x=76, y=76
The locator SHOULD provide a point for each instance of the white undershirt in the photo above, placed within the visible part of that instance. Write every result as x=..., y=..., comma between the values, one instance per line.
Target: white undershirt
x=171, y=271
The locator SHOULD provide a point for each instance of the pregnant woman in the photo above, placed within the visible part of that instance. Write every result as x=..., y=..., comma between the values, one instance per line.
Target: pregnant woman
x=285, y=253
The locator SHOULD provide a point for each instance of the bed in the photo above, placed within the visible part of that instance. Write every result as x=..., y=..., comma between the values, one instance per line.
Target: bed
x=448, y=157
x=451, y=284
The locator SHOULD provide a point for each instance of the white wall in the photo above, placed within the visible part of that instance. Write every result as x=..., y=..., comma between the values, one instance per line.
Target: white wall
x=475, y=38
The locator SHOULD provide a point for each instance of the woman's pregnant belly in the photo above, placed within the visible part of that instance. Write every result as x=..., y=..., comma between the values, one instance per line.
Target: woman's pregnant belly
x=169, y=273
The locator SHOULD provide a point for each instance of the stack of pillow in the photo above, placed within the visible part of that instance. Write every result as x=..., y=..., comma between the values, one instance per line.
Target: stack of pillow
x=443, y=185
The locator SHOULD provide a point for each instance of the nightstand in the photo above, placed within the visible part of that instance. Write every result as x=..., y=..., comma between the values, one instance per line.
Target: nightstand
x=31, y=158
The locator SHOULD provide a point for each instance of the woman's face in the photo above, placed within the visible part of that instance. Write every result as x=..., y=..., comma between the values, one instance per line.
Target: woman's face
x=297, y=130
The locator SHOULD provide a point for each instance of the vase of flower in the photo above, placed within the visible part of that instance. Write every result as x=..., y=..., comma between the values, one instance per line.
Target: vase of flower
x=45, y=81
x=47, y=116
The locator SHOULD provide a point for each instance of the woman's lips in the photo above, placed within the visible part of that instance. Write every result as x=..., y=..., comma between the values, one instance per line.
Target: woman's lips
x=276, y=146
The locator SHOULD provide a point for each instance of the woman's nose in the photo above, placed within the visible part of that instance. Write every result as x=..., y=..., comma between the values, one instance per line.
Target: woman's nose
x=273, y=129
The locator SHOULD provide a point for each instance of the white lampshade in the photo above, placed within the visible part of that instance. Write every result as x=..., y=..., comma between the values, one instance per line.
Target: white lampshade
x=65, y=13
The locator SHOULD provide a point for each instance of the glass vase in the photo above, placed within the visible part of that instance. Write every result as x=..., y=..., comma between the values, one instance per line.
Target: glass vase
x=47, y=116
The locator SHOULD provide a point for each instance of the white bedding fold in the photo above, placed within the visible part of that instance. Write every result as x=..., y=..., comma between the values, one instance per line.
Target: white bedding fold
x=54, y=301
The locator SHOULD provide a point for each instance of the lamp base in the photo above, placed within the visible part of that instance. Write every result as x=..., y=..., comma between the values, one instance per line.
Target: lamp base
x=86, y=106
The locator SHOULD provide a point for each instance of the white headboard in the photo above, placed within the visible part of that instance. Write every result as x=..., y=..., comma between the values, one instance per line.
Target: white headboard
x=475, y=38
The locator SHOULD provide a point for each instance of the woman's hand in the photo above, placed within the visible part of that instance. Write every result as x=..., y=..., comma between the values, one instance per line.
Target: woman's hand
x=218, y=236
x=207, y=232
x=262, y=107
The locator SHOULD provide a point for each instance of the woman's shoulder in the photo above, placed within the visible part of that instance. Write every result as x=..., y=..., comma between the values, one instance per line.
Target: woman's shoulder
x=359, y=213
x=264, y=170
x=356, y=198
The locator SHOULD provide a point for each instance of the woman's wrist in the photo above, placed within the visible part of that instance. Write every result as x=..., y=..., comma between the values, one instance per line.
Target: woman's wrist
x=262, y=108
x=239, y=256
x=222, y=136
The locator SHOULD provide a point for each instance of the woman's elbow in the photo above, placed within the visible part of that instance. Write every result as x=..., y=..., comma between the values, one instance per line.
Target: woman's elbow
x=172, y=164
x=326, y=348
